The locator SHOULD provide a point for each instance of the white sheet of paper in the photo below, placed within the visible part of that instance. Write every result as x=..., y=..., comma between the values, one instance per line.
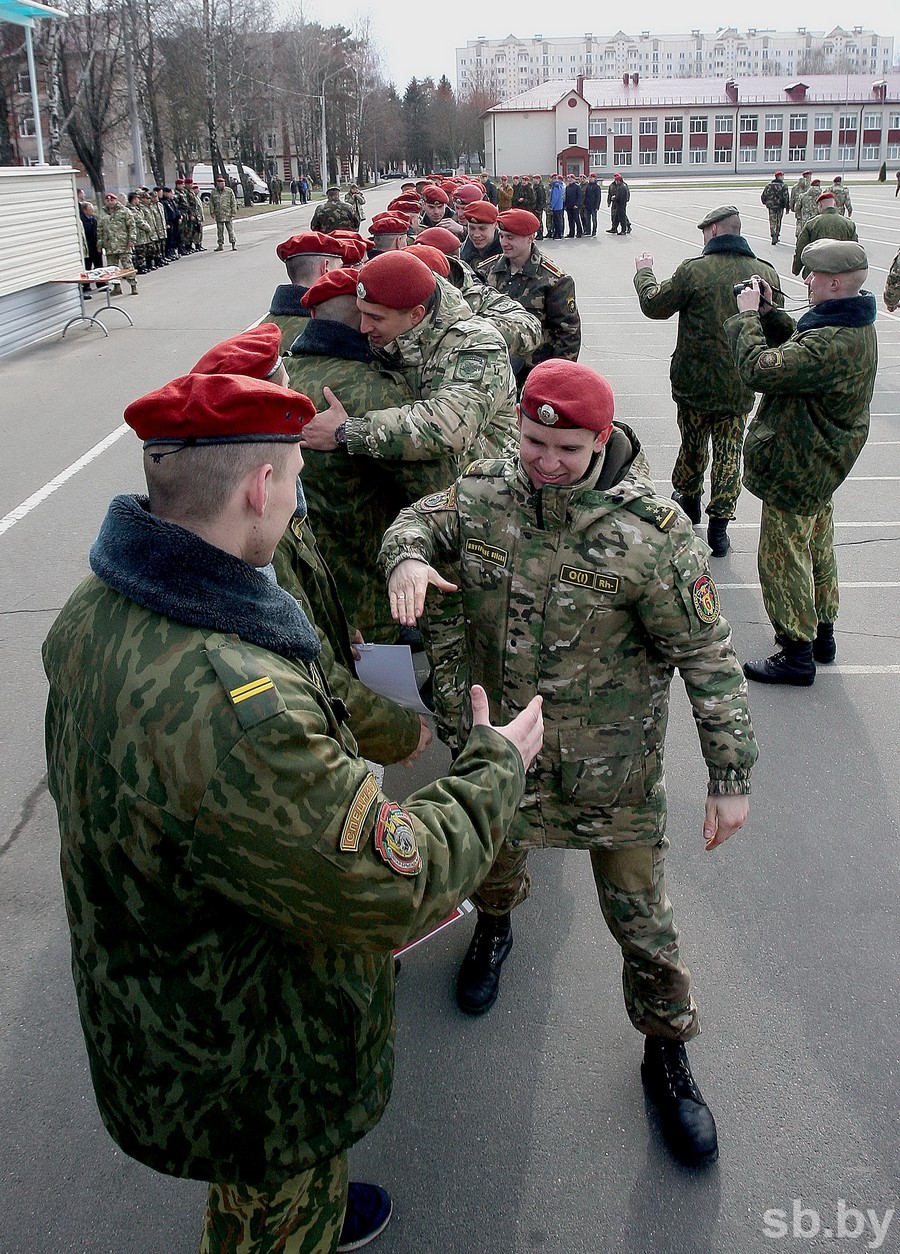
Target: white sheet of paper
x=388, y=670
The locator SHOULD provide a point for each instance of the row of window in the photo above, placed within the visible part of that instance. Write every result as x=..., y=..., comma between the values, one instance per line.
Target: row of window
x=748, y=123
x=746, y=156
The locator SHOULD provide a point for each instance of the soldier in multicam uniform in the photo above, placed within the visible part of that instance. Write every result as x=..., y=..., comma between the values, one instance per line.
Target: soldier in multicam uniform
x=713, y=403
x=355, y=199
x=332, y=214
x=142, y=229
x=579, y=583
x=841, y=196
x=223, y=207
x=195, y=215
x=807, y=206
x=777, y=199
x=799, y=190
x=525, y=274
x=825, y=223
x=158, y=221
x=892, y=286
x=116, y=237
x=306, y=257
x=817, y=379
x=235, y=880
x=457, y=366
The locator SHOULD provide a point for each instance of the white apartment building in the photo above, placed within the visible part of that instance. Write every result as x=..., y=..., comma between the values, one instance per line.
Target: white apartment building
x=829, y=123
x=507, y=66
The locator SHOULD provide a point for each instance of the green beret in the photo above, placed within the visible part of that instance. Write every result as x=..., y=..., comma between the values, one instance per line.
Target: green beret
x=718, y=215
x=834, y=256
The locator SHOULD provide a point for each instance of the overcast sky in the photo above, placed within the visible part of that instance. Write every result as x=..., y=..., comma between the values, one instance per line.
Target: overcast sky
x=419, y=39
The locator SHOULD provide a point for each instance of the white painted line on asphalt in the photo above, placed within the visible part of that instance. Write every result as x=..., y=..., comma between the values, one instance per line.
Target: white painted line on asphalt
x=895, y=523
x=36, y=498
x=857, y=670
x=739, y=587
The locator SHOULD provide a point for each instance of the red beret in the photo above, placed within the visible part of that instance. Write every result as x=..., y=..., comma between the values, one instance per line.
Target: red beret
x=341, y=282
x=434, y=259
x=405, y=204
x=562, y=393
x=807, y=171
x=518, y=222
x=481, y=211
x=388, y=224
x=255, y=353
x=219, y=409
x=440, y=238
x=467, y=193
x=449, y=185
x=310, y=242
x=436, y=196
x=181, y=181
x=829, y=195
x=477, y=183
x=779, y=173
x=395, y=281
x=353, y=246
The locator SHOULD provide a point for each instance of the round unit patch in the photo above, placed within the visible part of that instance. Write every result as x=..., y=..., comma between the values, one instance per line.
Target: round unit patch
x=770, y=359
x=705, y=596
x=396, y=841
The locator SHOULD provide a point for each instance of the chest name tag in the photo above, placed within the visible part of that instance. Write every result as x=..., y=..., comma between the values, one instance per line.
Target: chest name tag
x=487, y=552
x=589, y=579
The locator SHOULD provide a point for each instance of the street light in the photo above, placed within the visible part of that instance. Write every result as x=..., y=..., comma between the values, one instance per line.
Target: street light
x=339, y=70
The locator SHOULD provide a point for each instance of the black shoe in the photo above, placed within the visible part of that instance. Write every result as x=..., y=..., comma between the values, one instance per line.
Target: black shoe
x=793, y=665
x=612, y=231
x=628, y=231
x=478, y=982
x=717, y=536
x=824, y=648
x=686, y=1120
x=690, y=505
x=368, y=1213
x=87, y=296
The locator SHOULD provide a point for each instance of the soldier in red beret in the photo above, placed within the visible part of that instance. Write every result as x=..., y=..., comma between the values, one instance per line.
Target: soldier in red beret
x=441, y=237
x=580, y=583
x=388, y=232
x=437, y=206
x=305, y=257
x=482, y=235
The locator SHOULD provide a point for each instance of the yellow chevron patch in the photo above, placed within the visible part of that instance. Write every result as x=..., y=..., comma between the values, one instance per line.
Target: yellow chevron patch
x=356, y=815
x=253, y=689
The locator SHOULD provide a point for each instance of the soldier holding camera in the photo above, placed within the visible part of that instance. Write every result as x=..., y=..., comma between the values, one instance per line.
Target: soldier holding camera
x=713, y=402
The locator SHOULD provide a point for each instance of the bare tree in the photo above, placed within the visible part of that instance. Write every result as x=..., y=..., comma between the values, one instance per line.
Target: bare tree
x=89, y=78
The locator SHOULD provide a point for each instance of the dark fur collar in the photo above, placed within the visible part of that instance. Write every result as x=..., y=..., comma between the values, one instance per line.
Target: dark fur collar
x=286, y=301
x=323, y=338
x=849, y=311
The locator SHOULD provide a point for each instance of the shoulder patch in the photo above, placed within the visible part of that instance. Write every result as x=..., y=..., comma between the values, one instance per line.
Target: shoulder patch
x=662, y=514
x=469, y=367
x=360, y=806
x=771, y=359
x=249, y=687
x=705, y=596
x=395, y=840
x=485, y=467
x=437, y=501
x=552, y=267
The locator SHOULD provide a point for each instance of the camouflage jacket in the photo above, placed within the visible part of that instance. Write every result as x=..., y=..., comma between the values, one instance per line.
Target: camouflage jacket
x=353, y=498
x=234, y=879
x=829, y=224
x=702, y=372
x=547, y=292
x=807, y=206
x=798, y=191
x=472, y=255
x=776, y=195
x=334, y=216
x=195, y=206
x=223, y=204
x=288, y=314
x=458, y=368
x=383, y=731
x=892, y=285
x=520, y=329
x=589, y=595
x=144, y=227
x=158, y=219
x=523, y=196
x=539, y=192
x=842, y=199
x=817, y=380
x=116, y=231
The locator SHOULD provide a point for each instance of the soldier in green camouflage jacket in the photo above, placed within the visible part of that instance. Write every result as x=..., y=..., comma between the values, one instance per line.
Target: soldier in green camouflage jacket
x=842, y=196
x=892, y=285
x=799, y=190
x=223, y=206
x=579, y=583
x=116, y=236
x=713, y=402
x=806, y=206
x=777, y=200
x=825, y=223
x=817, y=380
x=456, y=365
x=525, y=274
x=234, y=879
x=333, y=215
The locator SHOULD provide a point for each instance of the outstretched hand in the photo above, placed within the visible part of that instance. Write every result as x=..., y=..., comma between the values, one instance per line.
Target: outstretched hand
x=407, y=587
x=526, y=731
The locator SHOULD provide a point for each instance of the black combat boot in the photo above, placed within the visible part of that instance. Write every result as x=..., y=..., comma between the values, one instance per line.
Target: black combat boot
x=478, y=982
x=717, y=536
x=686, y=1120
x=690, y=505
x=824, y=648
x=793, y=665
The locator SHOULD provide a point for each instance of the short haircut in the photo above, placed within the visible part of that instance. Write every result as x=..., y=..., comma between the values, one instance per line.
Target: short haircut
x=304, y=268
x=384, y=243
x=194, y=484
x=729, y=226
x=343, y=309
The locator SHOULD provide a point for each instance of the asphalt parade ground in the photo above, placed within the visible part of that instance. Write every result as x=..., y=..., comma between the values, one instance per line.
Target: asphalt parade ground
x=525, y=1130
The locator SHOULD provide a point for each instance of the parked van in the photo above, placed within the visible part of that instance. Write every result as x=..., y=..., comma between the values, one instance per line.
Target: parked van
x=203, y=174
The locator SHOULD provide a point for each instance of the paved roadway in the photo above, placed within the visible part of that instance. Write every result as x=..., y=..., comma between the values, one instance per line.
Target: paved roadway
x=526, y=1130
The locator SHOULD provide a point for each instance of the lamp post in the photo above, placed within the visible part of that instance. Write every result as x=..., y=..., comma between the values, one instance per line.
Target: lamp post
x=324, y=132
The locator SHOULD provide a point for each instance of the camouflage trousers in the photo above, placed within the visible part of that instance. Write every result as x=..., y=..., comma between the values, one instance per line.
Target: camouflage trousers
x=727, y=436
x=776, y=217
x=125, y=261
x=223, y=224
x=631, y=887
x=798, y=570
x=303, y=1216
